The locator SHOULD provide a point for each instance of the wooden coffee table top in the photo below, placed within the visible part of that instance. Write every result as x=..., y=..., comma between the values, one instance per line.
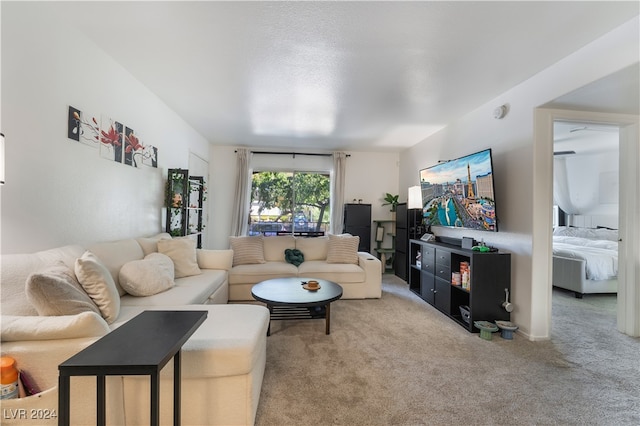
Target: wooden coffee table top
x=289, y=291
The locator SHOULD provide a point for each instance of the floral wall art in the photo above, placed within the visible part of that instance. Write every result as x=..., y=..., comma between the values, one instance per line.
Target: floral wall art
x=116, y=142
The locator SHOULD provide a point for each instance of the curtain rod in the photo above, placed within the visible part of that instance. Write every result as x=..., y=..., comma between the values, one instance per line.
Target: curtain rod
x=293, y=153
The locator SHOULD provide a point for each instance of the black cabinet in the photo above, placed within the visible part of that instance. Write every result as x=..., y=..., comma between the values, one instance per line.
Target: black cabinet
x=433, y=266
x=408, y=227
x=357, y=221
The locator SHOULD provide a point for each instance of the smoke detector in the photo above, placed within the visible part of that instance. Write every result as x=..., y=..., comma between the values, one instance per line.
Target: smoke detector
x=500, y=112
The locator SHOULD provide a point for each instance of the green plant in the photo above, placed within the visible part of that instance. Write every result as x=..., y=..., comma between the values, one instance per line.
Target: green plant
x=391, y=200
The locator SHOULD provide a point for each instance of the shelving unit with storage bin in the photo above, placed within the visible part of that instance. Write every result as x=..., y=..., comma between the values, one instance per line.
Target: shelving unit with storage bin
x=184, y=204
x=384, y=229
x=489, y=276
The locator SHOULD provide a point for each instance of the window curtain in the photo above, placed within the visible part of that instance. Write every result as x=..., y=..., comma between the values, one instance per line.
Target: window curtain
x=561, y=193
x=242, y=198
x=337, y=192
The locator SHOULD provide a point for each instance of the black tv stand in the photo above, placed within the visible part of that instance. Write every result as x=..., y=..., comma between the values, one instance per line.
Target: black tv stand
x=431, y=279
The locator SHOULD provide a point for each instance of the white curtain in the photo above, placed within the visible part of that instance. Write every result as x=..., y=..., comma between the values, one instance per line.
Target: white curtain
x=242, y=198
x=561, y=194
x=337, y=192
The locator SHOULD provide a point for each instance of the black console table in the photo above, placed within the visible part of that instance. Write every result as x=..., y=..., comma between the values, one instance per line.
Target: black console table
x=142, y=346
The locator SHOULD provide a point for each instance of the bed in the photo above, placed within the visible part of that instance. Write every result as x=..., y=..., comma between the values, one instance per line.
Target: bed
x=585, y=260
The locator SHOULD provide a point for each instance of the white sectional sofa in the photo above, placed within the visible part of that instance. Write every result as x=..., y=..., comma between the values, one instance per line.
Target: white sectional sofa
x=222, y=363
x=333, y=257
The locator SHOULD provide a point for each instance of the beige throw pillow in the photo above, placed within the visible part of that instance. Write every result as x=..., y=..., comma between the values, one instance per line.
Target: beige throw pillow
x=343, y=249
x=96, y=280
x=183, y=253
x=151, y=275
x=55, y=291
x=247, y=250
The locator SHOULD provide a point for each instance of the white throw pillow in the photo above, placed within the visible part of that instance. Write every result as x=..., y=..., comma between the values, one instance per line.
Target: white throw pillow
x=56, y=291
x=151, y=275
x=183, y=253
x=343, y=249
x=247, y=250
x=96, y=280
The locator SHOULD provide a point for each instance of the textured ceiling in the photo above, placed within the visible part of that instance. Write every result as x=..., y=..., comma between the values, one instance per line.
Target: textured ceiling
x=334, y=75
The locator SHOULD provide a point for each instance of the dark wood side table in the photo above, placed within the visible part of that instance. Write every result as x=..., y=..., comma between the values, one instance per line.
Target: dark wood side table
x=142, y=346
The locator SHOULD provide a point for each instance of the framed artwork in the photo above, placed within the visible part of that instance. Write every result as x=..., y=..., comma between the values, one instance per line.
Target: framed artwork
x=82, y=127
x=380, y=233
x=111, y=140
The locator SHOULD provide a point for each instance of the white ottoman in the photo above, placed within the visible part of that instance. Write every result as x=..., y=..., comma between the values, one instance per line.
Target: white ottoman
x=222, y=369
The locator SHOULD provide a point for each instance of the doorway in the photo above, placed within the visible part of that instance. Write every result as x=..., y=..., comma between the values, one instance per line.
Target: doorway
x=628, y=320
x=585, y=221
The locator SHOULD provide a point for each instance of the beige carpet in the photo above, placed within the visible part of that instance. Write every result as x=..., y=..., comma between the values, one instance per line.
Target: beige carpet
x=398, y=361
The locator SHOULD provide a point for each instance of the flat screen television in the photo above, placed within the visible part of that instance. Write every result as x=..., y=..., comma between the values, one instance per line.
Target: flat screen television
x=460, y=193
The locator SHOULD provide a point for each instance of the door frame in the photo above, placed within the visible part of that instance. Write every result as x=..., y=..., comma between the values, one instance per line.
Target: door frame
x=628, y=316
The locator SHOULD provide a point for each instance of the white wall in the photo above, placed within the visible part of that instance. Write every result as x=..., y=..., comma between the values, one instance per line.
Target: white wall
x=512, y=140
x=59, y=191
x=369, y=176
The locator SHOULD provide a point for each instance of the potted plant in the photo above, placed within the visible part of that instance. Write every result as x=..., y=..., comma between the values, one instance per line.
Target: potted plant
x=391, y=200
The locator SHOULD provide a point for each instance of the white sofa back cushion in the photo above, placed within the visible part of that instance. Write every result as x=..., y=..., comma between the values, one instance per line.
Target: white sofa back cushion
x=275, y=246
x=16, y=268
x=314, y=248
x=150, y=244
x=114, y=254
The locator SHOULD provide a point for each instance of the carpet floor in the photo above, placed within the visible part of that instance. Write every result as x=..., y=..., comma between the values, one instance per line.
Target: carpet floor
x=398, y=361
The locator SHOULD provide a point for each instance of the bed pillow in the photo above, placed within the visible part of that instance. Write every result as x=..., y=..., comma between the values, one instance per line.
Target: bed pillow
x=96, y=280
x=151, y=275
x=182, y=252
x=247, y=250
x=55, y=291
x=343, y=249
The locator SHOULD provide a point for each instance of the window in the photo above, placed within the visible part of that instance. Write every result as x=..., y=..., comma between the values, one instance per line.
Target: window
x=289, y=202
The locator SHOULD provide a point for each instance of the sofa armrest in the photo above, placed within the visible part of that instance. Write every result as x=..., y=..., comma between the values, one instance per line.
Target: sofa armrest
x=215, y=259
x=30, y=328
x=373, y=271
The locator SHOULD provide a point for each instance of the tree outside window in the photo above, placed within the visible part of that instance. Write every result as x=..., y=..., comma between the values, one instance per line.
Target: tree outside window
x=289, y=202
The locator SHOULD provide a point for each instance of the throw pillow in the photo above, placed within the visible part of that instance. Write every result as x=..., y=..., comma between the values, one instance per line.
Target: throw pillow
x=294, y=256
x=96, y=280
x=183, y=253
x=343, y=249
x=151, y=275
x=55, y=291
x=247, y=250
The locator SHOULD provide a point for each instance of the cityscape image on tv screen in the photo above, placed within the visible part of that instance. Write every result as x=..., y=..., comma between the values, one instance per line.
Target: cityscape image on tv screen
x=459, y=193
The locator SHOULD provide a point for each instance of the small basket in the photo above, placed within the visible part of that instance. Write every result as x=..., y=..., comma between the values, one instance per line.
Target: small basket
x=466, y=313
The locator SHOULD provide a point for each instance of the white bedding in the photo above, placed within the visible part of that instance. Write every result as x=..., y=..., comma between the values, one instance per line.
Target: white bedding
x=601, y=256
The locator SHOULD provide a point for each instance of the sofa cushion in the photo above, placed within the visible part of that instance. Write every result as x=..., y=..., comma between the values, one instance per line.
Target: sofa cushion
x=20, y=328
x=228, y=343
x=99, y=285
x=251, y=274
x=275, y=246
x=247, y=250
x=56, y=291
x=114, y=254
x=313, y=248
x=337, y=272
x=183, y=253
x=343, y=249
x=151, y=275
x=16, y=268
x=150, y=244
x=215, y=259
x=186, y=291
